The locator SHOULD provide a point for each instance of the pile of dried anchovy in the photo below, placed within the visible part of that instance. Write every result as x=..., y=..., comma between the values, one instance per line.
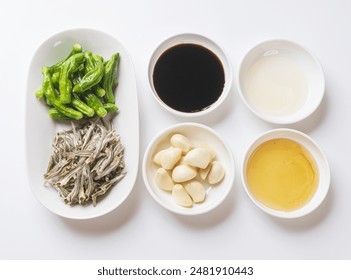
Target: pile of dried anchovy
x=86, y=162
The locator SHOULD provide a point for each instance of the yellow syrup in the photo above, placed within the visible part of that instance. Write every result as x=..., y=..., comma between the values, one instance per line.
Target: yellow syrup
x=282, y=175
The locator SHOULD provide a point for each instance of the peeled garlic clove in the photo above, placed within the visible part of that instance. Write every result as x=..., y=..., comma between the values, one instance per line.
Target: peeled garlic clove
x=157, y=158
x=180, y=141
x=216, y=173
x=181, y=161
x=163, y=180
x=196, y=191
x=170, y=157
x=183, y=173
x=208, y=148
x=181, y=196
x=198, y=157
x=204, y=172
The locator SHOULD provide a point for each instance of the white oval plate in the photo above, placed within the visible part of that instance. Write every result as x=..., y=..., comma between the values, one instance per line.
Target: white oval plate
x=197, y=133
x=40, y=129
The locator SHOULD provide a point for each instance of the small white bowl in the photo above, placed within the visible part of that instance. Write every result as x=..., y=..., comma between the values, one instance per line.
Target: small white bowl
x=305, y=65
x=190, y=38
x=196, y=133
x=321, y=163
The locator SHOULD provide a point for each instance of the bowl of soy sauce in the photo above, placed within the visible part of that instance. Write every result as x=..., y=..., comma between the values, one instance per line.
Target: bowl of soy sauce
x=189, y=75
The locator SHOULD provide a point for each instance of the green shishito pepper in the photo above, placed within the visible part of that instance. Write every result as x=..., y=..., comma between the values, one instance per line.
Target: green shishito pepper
x=56, y=68
x=109, y=77
x=52, y=97
x=57, y=115
x=99, y=91
x=89, y=62
x=94, y=102
x=89, y=66
x=70, y=66
x=110, y=107
x=39, y=94
x=80, y=86
x=47, y=86
x=55, y=78
x=81, y=106
x=68, y=111
x=93, y=76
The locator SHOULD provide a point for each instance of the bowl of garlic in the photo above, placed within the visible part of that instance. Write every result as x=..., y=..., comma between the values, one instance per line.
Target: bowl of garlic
x=188, y=169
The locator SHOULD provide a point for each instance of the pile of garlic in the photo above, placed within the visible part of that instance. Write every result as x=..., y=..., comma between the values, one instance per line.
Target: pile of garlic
x=181, y=164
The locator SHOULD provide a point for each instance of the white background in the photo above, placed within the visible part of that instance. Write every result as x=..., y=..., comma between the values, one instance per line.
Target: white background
x=140, y=228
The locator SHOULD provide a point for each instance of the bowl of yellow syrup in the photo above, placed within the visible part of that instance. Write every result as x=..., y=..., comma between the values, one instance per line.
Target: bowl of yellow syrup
x=285, y=173
x=280, y=81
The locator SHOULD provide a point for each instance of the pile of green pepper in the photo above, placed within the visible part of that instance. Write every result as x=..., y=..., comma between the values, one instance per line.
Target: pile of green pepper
x=80, y=86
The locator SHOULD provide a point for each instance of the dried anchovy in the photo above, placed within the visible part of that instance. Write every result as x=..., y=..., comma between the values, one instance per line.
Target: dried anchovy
x=86, y=162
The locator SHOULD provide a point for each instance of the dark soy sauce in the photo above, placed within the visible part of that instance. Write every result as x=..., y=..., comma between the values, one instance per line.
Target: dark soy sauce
x=188, y=77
